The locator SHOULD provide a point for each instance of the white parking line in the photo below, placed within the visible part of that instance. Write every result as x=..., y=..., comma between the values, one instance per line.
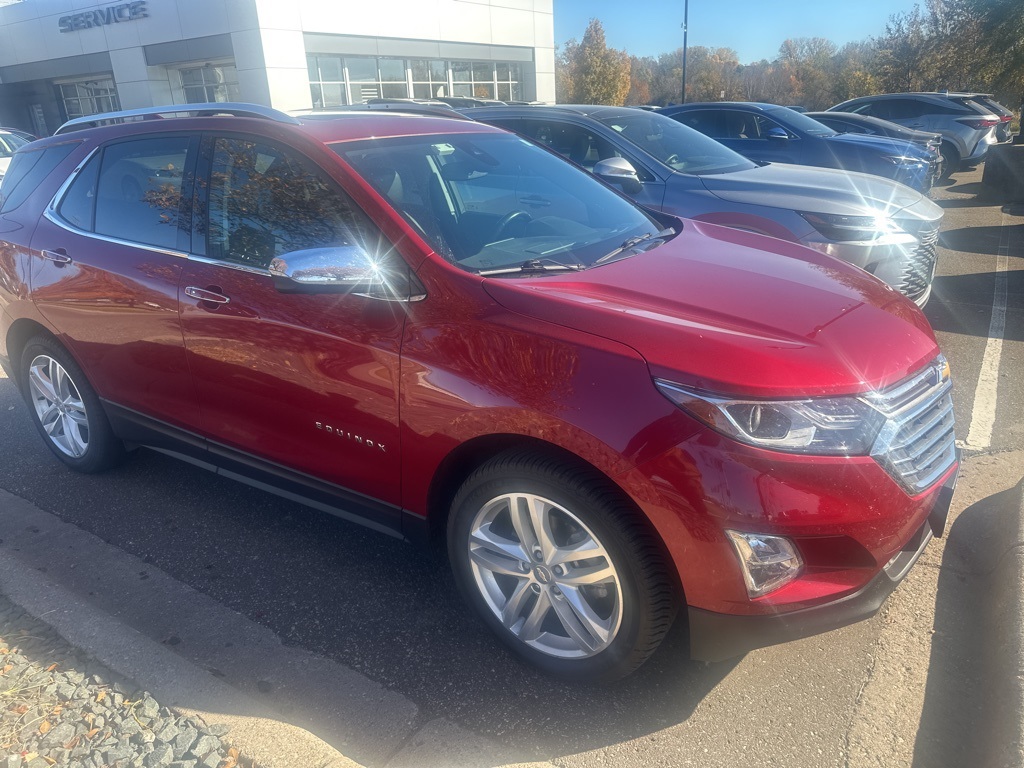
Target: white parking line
x=983, y=416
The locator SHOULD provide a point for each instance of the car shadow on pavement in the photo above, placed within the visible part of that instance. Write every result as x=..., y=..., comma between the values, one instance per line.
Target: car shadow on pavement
x=961, y=719
x=984, y=240
x=962, y=304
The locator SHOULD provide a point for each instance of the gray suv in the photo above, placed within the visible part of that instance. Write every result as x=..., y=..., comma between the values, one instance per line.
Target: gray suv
x=968, y=128
x=879, y=225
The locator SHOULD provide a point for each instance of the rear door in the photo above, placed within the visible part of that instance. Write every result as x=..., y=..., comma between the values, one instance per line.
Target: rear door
x=105, y=264
x=298, y=382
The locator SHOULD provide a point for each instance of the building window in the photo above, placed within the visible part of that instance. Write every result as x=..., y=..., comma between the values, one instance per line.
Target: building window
x=429, y=78
x=336, y=81
x=89, y=97
x=486, y=79
x=209, y=83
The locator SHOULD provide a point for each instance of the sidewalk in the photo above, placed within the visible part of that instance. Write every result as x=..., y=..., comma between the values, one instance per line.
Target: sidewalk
x=214, y=665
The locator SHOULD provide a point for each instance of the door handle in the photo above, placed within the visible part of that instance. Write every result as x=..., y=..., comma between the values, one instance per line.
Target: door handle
x=57, y=256
x=202, y=294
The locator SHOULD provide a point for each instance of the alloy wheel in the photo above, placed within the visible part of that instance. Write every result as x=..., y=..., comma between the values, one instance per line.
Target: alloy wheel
x=59, y=406
x=545, y=575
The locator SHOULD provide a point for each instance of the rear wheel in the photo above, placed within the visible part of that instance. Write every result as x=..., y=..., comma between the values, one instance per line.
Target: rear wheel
x=553, y=564
x=66, y=409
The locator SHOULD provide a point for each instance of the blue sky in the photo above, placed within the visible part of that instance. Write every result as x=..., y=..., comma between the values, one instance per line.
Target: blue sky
x=753, y=28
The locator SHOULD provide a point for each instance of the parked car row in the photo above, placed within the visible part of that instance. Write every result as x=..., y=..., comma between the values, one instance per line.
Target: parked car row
x=968, y=123
x=881, y=226
x=435, y=327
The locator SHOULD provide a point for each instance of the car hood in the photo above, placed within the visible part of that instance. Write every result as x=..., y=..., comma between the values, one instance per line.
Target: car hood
x=806, y=188
x=738, y=313
x=882, y=144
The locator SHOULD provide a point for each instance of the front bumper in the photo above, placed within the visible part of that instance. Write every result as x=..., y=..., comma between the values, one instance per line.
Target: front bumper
x=906, y=262
x=718, y=636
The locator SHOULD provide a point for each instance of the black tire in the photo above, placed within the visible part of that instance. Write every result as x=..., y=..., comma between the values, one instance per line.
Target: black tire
x=950, y=160
x=85, y=443
x=647, y=603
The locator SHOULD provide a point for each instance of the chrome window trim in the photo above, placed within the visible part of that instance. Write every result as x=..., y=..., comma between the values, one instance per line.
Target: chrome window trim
x=105, y=238
x=53, y=215
x=51, y=209
x=228, y=264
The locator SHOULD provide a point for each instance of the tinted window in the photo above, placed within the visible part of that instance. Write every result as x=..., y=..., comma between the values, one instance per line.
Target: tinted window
x=78, y=207
x=138, y=193
x=843, y=126
x=705, y=121
x=265, y=202
x=27, y=171
x=571, y=141
x=798, y=122
x=675, y=145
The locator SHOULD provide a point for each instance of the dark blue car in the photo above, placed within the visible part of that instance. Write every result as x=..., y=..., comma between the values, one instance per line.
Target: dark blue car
x=766, y=133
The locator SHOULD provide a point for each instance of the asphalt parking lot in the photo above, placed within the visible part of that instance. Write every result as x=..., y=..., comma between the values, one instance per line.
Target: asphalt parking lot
x=276, y=590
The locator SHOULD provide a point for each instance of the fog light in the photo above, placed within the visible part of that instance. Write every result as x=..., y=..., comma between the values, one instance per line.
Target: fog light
x=768, y=562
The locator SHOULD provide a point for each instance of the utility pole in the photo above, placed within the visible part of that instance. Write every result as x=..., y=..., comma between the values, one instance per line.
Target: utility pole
x=686, y=13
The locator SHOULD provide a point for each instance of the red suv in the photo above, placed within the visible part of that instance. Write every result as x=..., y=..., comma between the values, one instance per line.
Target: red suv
x=427, y=324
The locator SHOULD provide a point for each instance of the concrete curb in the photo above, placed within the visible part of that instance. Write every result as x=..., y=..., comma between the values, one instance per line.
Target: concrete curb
x=286, y=707
x=173, y=681
x=1006, y=663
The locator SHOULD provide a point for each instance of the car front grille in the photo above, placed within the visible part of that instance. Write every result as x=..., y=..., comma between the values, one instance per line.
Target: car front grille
x=919, y=267
x=917, y=445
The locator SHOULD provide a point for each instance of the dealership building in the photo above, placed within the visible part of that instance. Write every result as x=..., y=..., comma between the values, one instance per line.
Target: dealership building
x=61, y=59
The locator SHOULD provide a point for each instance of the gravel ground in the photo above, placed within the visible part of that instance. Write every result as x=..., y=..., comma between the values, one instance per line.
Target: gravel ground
x=58, y=707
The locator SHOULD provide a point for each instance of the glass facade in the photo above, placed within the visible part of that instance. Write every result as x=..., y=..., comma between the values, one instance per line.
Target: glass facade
x=210, y=83
x=88, y=97
x=335, y=81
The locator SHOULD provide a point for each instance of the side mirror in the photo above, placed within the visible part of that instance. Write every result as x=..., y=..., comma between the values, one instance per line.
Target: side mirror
x=777, y=134
x=618, y=170
x=344, y=269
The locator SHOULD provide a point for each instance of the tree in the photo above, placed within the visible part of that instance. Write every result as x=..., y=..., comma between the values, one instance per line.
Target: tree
x=593, y=73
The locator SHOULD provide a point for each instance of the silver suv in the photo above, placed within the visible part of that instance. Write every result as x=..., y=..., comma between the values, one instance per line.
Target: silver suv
x=968, y=128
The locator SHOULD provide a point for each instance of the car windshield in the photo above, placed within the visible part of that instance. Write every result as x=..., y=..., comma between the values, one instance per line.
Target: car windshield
x=493, y=201
x=678, y=146
x=801, y=122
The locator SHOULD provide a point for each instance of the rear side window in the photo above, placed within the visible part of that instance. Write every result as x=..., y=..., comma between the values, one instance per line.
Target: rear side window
x=708, y=122
x=27, y=171
x=131, y=192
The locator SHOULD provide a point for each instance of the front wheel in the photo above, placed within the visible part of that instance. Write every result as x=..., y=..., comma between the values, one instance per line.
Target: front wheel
x=66, y=410
x=559, y=568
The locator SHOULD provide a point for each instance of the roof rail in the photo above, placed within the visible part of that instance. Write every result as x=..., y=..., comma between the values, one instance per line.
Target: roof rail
x=198, y=110
x=406, y=108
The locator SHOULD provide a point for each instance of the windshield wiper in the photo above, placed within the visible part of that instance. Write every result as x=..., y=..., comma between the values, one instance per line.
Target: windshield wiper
x=633, y=242
x=533, y=266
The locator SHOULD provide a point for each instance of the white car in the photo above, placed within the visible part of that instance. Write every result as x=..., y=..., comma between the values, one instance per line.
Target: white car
x=10, y=141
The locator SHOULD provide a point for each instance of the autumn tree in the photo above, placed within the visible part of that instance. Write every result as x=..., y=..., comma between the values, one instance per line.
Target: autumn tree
x=591, y=72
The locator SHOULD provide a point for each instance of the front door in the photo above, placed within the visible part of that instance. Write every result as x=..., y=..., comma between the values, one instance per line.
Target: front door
x=302, y=381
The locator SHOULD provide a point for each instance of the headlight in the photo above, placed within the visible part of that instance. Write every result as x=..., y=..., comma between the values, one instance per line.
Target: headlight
x=848, y=228
x=827, y=426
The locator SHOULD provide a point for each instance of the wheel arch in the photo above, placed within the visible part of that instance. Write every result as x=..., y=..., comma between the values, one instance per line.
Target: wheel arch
x=951, y=146
x=21, y=332
x=467, y=457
